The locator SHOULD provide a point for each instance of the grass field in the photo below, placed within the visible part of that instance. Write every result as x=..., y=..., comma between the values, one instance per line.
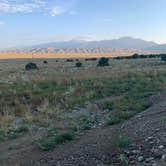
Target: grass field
x=59, y=101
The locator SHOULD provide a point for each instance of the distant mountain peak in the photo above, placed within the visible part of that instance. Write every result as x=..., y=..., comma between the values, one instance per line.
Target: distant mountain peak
x=123, y=42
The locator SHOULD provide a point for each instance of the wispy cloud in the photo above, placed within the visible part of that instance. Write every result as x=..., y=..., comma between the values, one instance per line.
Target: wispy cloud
x=8, y=6
x=54, y=8
x=57, y=10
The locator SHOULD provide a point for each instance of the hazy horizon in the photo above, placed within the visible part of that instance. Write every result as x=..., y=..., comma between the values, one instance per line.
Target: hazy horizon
x=29, y=22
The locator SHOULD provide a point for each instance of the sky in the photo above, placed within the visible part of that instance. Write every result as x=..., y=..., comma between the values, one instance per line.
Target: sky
x=28, y=22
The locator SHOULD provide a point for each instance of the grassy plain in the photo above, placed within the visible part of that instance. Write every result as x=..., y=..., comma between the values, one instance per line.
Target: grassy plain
x=59, y=101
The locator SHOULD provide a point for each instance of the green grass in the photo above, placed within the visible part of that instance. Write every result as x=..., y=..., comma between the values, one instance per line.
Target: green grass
x=2, y=135
x=123, y=160
x=13, y=133
x=122, y=141
x=85, y=123
x=52, y=93
x=51, y=141
x=17, y=132
x=108, y=105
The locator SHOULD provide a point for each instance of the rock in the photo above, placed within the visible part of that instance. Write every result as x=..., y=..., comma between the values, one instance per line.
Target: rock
x=25, y=78
x=136, y=152
x=19, y=121
x=163, y=157
x=154, y=164
x=157, y=154
x=149, y=139
x=149, y=159
x=157, y=130
x=161, y=147
x=140, y=158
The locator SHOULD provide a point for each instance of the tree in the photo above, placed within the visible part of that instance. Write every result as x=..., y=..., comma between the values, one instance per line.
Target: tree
x=163, y=57
x=103, y=62
x=31, y=66
x=78, y=64
x=45, y=62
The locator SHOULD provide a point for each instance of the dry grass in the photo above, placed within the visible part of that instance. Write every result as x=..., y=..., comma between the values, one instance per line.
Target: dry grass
x=51, y=94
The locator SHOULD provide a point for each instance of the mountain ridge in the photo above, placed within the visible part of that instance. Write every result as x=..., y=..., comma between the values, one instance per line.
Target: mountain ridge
x=120, y=46
x=124, y=42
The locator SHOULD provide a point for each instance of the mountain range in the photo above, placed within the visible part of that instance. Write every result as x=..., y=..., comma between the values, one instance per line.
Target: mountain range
x=116, y=47
x=125, y=42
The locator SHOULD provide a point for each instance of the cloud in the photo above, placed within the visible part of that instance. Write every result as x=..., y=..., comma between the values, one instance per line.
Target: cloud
x=56, y=11
x=8, y=6
x=52, y=7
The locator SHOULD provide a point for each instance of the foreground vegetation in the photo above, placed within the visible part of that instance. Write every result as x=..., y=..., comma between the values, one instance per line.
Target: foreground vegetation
x=60, y=104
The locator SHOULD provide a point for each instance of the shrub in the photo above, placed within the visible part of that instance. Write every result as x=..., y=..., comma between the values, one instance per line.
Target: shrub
x=108, y=105
x=2, y=135
x=119, y=117
x=78, y=64
x=31, y=66
x=86, y=123
x=45, y=62
x=18, y=131
x=122, y=141
x=123, y=160
x=69, y=60
x=103, y=62
x=90, y=59
x=163, y=57
x=51, y=141
x=135, y=56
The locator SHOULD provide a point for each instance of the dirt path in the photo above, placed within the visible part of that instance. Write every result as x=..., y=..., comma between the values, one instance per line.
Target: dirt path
x=97, y=147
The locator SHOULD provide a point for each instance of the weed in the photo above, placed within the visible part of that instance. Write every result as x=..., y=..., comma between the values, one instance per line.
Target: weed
x=2, y=135
x=86, y=123
x=18, y=131
x=51, y=141
x=108, y=105
x=119, y=116
x=122, y=141
x=123, y=160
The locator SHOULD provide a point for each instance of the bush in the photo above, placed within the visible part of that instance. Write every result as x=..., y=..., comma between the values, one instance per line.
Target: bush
x=45, y=62
x=103, y=62
x=78, y=64
x=108, y=105
x=90, y=59
x=119, y=117
x=51, y=141
x=31, y=66
x=69, y=60
x=2, y=135
x=163, y=57
x=18, y=131
x=86, y=123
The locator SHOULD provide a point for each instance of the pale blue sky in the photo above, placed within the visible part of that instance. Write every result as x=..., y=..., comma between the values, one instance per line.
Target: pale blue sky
x=26, y=22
